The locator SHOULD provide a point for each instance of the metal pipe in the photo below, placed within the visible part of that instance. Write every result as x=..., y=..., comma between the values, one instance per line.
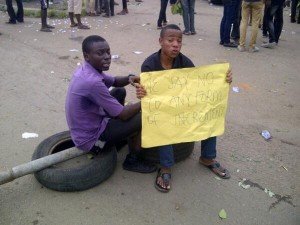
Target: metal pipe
x=39, y=164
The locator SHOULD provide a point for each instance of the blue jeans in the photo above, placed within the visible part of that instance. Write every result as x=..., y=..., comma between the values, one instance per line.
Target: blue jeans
x=208, y=151
x=188, y=7
x=226, y=22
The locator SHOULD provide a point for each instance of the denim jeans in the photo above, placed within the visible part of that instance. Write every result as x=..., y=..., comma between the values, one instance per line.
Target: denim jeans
x=274, y=22
x=11, y=11
x=235, y=33
x=188, y=7
x=208, y=151
x=162, y=14
x=227, y=20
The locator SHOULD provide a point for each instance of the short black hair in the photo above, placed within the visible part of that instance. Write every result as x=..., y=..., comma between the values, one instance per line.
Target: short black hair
x=168, y=27
x=88, y=42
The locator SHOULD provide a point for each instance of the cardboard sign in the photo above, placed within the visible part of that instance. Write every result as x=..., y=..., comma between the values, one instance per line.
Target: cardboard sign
x=184, y=105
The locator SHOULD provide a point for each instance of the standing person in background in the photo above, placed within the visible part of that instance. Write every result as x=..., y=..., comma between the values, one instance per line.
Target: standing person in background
x=235, y=32
x=294, y=12
x=274, y=21
x=124, y=10
x=162, y=18
x=188, y=7
x=255, y=7
x=45, y=27
x=229, y=13
x=13, y=17
x=90, y=7
x=74, y=8
x=109, y=8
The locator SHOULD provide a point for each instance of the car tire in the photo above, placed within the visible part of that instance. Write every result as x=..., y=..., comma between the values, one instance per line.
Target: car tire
x=181, y=152
x=75, y=174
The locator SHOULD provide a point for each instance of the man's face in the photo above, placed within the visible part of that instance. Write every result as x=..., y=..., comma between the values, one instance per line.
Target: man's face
x=99, y=56
x=171, y=42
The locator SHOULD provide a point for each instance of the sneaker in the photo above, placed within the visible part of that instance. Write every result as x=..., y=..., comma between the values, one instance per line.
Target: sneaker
x=241, y=48
x=254, y=49
x=134, y=164
x=230, y=45
x=269, y=45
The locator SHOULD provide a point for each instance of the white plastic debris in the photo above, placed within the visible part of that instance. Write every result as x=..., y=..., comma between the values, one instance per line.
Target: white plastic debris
x=200, y=39
x=52, y=72
x=266, y=134
x=137, y=52
x=236, y=89
x=115, y=56
x=29, y=135
x=270, y=193
x=245, y=186
x=73, y=50
x=78, y=64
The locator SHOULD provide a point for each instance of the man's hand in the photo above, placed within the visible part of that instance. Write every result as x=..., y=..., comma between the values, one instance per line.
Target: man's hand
x=229, y=76
x=140, y=91
x=133, y=79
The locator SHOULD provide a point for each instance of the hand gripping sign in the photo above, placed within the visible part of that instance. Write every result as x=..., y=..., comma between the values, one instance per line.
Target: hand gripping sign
x=184, y=105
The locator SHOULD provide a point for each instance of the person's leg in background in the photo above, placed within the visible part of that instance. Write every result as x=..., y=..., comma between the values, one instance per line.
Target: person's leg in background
x=294, y=10
x=256, y=15
x=244, y=25
x=185, y=16
x=20, y=12
x=124, y=10
x=192, y=16
x=77, y=12
x=271, y=29
x=278, y=22
x=162, y=13
x=44, y=7
x=11, y=12
x=235, y=32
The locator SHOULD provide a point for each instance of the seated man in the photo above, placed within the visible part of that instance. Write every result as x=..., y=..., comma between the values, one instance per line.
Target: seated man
x=94, y=113
x=169, y=57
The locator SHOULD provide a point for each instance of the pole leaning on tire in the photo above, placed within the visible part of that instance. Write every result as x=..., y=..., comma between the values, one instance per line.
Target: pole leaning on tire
x=39, y=164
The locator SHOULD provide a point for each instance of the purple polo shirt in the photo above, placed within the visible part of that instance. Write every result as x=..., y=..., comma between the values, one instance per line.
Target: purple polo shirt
x=89, y=105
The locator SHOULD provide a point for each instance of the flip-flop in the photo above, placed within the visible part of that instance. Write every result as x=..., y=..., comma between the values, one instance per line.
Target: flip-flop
x=74, y=25
x=216, y=165
x=166, y=177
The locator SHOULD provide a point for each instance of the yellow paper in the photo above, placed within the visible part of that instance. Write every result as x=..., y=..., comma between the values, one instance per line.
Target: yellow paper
x=184, y=105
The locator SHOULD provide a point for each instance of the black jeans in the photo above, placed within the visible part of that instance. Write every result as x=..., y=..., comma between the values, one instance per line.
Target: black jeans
x=265, y=21
x=294, y=11
x=274, y=22
x=11, y=12
x=124, y=3
x=118, y=130
x=235, y=32
x=109, y=6
x=162, y=14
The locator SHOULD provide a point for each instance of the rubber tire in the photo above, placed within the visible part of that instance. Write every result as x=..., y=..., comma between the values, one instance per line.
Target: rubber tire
x=78, y=177
x=181, y=152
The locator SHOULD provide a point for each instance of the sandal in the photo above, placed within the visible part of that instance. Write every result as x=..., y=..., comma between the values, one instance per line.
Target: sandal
x=166, y=177
x=217, y=169
x=83, y=27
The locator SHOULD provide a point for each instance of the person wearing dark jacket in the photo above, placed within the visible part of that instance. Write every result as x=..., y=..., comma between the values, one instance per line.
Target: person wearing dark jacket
x=170, y=57
x=295, y=3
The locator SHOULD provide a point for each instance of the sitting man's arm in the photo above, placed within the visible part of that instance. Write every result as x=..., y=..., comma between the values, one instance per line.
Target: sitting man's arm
x=129, y=111
x=122, y=81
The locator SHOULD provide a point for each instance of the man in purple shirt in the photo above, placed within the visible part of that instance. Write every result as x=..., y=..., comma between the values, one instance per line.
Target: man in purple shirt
x=94, y=113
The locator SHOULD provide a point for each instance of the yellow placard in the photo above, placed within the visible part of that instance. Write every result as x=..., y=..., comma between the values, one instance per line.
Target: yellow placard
x=184, y=105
